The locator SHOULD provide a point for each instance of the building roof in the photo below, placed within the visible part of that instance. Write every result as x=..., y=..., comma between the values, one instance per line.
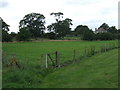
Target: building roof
x=100, y=29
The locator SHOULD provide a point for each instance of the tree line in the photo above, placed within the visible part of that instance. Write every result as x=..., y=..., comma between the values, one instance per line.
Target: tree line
x=32, y=26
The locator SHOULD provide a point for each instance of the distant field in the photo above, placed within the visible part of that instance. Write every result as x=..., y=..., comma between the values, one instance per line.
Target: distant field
x=28, y=55
x=72, y=38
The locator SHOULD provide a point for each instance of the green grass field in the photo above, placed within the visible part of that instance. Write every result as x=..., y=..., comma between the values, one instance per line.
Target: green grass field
x=99, y=71
x=29, y=51
x=28, y=55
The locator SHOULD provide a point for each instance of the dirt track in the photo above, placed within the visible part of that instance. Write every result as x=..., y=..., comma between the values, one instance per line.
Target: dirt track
x=63, y=40
x=41, y=41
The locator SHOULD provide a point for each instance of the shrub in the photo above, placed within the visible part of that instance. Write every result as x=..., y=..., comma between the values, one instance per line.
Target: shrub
x=50, y=35
x=118, y=36
x=88, y=35
x=104, y=36
x=23, y=35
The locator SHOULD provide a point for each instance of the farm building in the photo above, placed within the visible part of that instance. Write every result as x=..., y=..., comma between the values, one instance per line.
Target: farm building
x=100, y=30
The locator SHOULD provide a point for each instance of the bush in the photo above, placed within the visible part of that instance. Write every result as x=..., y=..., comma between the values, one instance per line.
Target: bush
x=118, y=36
x=50, y=35
x=104, y=36
x=23, y=35
x=88, y=35
x=13, y=34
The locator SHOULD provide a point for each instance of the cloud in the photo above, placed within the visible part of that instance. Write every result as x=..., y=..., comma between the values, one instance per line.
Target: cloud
x=90, y=12
x=3, y=4
x=81, y=2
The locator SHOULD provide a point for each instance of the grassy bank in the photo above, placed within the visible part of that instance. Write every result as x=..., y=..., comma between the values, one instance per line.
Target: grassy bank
x=99, y=71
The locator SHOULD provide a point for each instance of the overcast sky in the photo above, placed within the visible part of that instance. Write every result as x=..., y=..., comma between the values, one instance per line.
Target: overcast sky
x=83, y=12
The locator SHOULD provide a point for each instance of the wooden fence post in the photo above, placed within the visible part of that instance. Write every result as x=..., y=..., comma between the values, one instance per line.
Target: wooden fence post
x=51, y=60
x=57, y=59
x=14, y=62
x=46, y=60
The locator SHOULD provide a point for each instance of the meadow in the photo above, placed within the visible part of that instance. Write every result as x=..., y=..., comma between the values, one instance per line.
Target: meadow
x=29, y=55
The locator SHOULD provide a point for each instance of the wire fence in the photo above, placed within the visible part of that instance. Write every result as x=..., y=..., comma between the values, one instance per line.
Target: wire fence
x=56, y=59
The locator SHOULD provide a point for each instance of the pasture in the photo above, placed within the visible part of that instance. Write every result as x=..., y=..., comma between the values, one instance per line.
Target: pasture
x=28, y=54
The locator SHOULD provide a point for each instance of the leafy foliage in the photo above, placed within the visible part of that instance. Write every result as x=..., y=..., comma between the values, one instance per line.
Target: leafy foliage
x=60, y=28
x=34, y=22
x=105, y=36
x=84, y=32
x=5, y=26
x=81, y=29
x=5, y=35
x=88, y=35
x=58, y=16
x=23, y=35
x=50, y=35
x=112, y=30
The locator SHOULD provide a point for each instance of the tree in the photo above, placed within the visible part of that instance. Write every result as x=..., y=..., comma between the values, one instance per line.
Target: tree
x=84, y=32
x=118, y=31
x=88, y=35
x=23, y=35
x=6, y=37
x=118, y=36
x=64, y=27
x=5, y=28
x=112, y=30
x=50, y=35
x=51, y=28
x=34, y=22
x=13, y=34
x=81, y=29
x=68, y=22
x=58, y=16
x=60, y=28
x=105, y=36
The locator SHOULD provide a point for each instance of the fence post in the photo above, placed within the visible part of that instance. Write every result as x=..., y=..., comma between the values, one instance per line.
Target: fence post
x=13, y=59
x=46, y=60
x=57, y=59
x=51, y=60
